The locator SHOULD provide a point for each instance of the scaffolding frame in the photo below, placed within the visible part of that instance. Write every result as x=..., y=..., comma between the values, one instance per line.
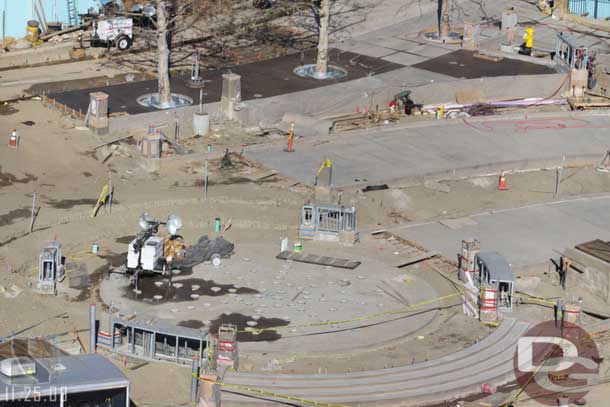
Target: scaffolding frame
x=158, y=342
x=327, y=222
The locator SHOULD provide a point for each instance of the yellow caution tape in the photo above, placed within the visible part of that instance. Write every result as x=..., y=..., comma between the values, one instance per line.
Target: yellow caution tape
x=541, y=300
x=79, y=255
x=268, y=393
x=257, y=331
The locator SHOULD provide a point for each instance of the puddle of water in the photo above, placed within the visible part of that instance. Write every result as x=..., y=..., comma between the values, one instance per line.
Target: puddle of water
x=71, y=203
x=10, y=217
x=191, y=323
x=241, y=320
x=7, y=179
x=93, y=279
x=149, y=286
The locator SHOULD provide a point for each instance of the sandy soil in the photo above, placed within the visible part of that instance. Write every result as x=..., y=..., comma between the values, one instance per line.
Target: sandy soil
x=56, y=161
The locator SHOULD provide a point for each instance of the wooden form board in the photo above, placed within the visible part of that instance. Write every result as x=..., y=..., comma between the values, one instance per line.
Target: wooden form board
x=319, y=260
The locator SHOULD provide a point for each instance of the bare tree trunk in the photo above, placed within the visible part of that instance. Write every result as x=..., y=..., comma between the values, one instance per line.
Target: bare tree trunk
x=322, y=62
x=165, y=96
x=443, y=24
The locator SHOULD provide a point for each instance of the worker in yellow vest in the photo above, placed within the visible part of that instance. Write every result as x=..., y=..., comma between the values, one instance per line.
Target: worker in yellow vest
x=528, y=44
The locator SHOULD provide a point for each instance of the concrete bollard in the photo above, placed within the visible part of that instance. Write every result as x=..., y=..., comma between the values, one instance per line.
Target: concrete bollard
x=195, y=380
x=92, y=330
x=230, y=100
x=98, y=112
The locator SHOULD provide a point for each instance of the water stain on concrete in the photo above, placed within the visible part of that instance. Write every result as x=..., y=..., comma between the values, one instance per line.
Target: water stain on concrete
x=112, y=260
x=192, y=323
x=241, y=321
x=14, y=238
x=7, y=179
x=7, y=109
x=157, y=285
x=71, y=203
x=9, y=218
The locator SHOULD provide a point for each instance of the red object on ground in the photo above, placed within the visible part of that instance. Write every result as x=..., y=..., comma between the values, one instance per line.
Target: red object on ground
x=502, y=186
x=487, y=388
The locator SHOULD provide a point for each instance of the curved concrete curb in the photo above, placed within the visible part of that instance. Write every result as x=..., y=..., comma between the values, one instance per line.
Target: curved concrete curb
x=453, y=376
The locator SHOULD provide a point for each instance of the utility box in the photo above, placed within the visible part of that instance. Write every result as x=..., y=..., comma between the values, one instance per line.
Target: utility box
x=151, y=146
x=50, y=269
x=230, y=100
x=98, y=112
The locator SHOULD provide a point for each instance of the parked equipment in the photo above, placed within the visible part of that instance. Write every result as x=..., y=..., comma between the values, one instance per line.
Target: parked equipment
x=116, y=32
x=146, y=251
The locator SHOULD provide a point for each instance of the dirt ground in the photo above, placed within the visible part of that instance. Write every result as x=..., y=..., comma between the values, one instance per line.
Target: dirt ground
x=57, y=161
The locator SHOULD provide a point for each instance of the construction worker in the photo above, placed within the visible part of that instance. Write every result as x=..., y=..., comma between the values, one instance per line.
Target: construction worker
x=528, y=44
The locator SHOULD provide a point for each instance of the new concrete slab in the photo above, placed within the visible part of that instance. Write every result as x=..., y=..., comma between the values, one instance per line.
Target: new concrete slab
x=463, y=64
x=526, y=235
x=390, y=153
x=259, y=80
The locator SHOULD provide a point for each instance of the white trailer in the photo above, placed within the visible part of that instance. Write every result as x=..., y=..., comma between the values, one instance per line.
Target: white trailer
x=116, y=31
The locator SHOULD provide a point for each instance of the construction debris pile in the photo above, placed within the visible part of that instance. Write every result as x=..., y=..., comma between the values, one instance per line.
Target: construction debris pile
x=203, y=251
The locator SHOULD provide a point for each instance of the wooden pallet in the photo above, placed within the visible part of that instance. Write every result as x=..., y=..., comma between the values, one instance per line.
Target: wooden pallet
x=588, y=102
x=596, y=248
x=319, y=260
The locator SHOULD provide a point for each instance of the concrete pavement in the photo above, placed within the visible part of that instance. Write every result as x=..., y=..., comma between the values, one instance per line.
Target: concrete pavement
x=526, y=235
x=434, y=148
x=14, y=83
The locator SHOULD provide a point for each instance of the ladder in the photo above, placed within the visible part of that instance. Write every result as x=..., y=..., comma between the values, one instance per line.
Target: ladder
x=72, y=13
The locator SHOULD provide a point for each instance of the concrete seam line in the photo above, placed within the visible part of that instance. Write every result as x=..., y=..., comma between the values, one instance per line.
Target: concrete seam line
x=267, y=393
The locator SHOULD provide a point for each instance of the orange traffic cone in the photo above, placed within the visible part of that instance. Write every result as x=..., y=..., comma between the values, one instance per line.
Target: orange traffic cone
x=502, y=184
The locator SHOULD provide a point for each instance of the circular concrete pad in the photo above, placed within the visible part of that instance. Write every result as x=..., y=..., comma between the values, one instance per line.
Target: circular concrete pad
x=296, y=306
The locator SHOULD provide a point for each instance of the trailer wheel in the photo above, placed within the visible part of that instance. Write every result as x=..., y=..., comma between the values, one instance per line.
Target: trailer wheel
x=123, y=43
